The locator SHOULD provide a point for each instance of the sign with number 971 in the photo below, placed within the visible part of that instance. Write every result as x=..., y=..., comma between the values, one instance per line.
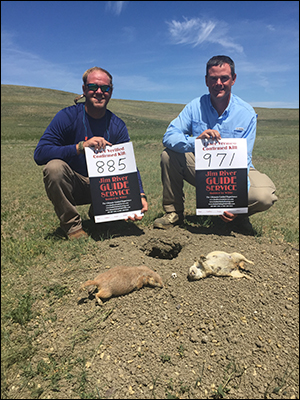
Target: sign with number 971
x=228, y=153
x=221, y=176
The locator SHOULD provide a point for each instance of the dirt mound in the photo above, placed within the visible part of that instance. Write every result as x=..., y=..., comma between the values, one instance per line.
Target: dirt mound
x=211, y=338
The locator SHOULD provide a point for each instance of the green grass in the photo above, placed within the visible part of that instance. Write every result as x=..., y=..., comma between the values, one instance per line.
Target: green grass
x=30, y=245
x=28, y=216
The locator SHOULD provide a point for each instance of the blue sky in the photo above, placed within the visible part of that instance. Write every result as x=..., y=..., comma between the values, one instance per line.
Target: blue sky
x=155, y=50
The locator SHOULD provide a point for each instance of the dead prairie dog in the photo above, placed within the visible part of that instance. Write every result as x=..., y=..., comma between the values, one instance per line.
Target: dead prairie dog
x=122, y=280
x=218, y=263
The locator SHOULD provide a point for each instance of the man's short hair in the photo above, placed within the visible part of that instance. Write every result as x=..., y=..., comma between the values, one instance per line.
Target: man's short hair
x=220, y=60
x=87, y=72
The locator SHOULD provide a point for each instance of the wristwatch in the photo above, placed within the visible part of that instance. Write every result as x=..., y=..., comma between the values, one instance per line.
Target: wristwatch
x=80, y=147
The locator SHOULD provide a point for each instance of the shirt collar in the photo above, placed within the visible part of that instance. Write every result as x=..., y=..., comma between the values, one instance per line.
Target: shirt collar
x=225, y=112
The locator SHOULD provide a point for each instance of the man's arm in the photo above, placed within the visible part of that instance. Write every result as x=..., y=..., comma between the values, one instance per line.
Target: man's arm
x=56, y=141
x=178, y=136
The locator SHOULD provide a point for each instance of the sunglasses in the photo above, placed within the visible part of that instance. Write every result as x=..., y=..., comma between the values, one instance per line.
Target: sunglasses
x=94, y=87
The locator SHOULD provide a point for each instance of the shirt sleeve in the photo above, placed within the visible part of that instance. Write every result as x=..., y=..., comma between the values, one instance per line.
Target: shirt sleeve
x=179, y=134
x=140, y=182
x=57, y=141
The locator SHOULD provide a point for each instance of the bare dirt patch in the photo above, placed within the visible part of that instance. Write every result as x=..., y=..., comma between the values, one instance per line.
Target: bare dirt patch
x=213, y=338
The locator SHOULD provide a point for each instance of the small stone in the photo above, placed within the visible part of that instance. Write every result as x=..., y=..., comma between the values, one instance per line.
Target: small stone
x=143, y=320
x=130, y=390
x=204, y=339
x=193, y=338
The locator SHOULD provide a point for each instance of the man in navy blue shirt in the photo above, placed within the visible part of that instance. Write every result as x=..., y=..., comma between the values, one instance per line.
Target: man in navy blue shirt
x=219, y=114
x=61, y=149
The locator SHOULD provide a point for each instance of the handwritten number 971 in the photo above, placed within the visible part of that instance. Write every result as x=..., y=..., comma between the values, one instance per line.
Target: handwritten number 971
x=207, y=157
x=111, y=165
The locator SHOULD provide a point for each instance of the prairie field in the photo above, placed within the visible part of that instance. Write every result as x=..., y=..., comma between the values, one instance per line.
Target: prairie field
x=215, y=338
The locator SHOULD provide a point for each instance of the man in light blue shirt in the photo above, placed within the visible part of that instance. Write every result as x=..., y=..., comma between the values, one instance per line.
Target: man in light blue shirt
x=219, y=114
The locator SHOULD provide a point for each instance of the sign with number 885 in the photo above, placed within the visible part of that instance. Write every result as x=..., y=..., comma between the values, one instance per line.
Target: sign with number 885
x=114, y=160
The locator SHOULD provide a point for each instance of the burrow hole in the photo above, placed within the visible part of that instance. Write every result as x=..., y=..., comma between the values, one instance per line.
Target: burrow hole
x=166, y=250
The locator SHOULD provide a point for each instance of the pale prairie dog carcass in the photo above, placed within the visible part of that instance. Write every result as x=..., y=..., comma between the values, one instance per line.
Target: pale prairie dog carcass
x=218, y=263
x=122, y=280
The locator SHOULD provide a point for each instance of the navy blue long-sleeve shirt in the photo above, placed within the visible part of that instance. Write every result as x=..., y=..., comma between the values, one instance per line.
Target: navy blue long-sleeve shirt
x=72, y=125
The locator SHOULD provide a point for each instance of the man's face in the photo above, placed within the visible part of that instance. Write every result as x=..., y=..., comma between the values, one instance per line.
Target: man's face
x=97, y=98
x=219, y=82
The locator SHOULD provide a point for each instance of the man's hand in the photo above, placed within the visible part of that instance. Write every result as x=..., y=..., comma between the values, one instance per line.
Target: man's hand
x=228, y=216
x=98, y=142
x=210, y=134
x=143, y=210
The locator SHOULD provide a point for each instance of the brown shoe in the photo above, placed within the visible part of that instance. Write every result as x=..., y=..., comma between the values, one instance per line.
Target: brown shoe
x=80, y=233
x=168, y=220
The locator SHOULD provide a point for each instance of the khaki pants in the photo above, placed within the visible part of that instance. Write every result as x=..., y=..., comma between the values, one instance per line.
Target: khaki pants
x=66, y=189
x=179, y=167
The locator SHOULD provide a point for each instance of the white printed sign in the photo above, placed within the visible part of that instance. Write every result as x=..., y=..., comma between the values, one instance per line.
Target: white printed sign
x=114, y=182
x=221, y=176
x=115, y=159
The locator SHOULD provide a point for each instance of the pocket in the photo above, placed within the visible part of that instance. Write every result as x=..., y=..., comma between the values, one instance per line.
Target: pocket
x=238, y=132
x=226, y=134
x=198, y=127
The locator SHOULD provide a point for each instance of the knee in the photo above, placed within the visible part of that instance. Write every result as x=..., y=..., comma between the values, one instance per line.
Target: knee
x=164, y=158
x=267, y=201
x=262, y=192
x=264, y=199
x=54, y=170
x=170, y=157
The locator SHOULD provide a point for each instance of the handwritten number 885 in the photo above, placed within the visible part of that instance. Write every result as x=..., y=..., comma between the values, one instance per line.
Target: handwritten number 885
x=110, y=165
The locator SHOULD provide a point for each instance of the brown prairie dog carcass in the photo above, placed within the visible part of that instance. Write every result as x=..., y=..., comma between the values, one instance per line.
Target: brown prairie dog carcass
x=218, y=263
x=122, y=280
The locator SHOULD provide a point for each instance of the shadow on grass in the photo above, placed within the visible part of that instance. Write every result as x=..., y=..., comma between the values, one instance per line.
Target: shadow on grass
x=214, y=225
x=109, y=230
x=58, y=234
x=100, y=232
x=192, y=223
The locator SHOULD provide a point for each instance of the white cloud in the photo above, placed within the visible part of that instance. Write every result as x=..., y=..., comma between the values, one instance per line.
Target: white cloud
x=275, y=104
x=21, y=67
x=271, y=28
x=7, y=39
x=115, y=6
x=195, y=31
x=137, y=83
x=269, y=76
x=129, y=34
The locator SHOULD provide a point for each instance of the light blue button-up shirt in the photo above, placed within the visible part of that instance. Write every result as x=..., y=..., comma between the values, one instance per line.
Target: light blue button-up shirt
x=237, y=121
